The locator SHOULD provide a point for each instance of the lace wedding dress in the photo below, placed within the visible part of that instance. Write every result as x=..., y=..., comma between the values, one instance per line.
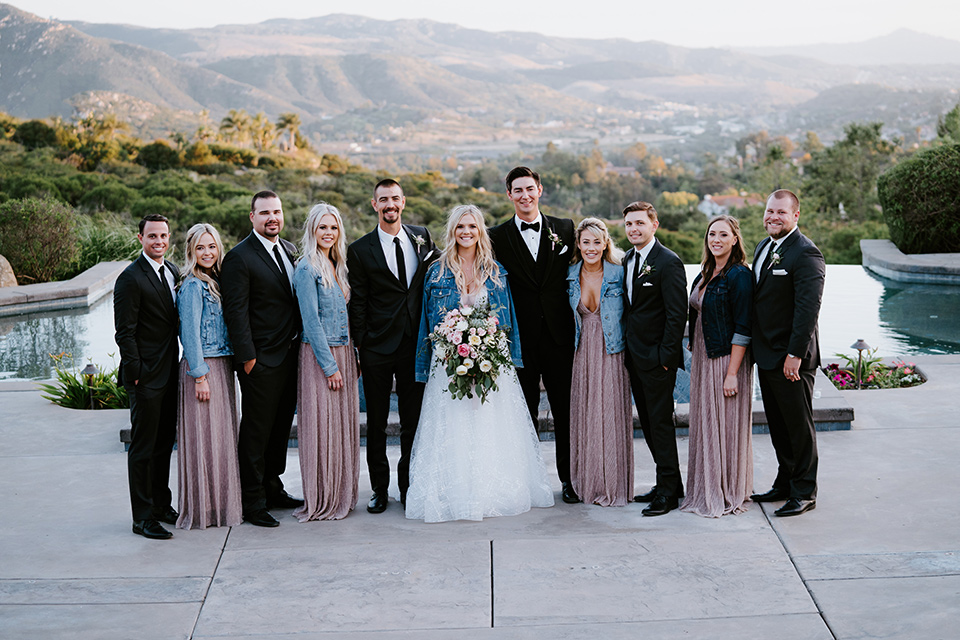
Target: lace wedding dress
x=470, y=460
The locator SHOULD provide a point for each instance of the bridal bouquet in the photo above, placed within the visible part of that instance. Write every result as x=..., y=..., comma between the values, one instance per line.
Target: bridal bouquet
x=473, y=349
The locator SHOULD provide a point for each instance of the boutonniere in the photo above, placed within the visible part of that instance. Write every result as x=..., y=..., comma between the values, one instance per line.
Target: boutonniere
x=420, y=241
x=555, y=240
x=646, y=270
x=774, y=259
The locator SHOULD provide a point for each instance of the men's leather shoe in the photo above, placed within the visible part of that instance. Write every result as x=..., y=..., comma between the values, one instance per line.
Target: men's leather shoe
x=167, y=514
x=151, y=529
x=261, y=518
x=378, y=503
x=646, y=497
x=568, y=494
x=795, y=506
x=283, y=500
x=774, y=495
x=660, y=505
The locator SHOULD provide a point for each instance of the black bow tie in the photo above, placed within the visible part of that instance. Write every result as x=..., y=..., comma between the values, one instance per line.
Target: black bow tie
x=530, y=225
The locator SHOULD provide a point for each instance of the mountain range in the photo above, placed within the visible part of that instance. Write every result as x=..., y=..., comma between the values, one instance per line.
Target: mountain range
x=352, y=78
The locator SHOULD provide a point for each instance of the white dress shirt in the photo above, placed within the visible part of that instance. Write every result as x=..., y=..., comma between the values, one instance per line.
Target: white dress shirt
x=167, y=274
x=286, y=266
x=771, y=246
x=531, y=237
x=638, y=254
x=390, y=253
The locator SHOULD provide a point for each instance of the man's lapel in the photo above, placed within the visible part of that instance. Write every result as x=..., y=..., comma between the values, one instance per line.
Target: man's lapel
x=160, y=288
x=757, y=264
x=270, y=262
x=520, y=249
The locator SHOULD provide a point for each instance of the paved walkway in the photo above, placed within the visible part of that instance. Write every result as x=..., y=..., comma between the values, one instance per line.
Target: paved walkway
x=878, y=558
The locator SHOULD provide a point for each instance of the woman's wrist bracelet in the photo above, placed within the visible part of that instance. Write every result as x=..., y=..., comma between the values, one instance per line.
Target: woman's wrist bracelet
x=200, y=379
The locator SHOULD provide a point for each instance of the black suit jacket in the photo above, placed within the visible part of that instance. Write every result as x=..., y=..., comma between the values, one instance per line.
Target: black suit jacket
x=655, y=318
x=786, y=304
x=146, y=321
x=539, y=289
x=380, y=307
x=259, y=306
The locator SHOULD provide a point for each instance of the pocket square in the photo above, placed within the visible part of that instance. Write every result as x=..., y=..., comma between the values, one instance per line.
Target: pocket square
x=779, y=272
x=647, y=284
x=563, y=250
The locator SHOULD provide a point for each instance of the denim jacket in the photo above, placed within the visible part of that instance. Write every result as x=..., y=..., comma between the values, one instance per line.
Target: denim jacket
x=324, y=313
x=726, y=308
x=441, y=296
x=203, y=333
x=611, y=304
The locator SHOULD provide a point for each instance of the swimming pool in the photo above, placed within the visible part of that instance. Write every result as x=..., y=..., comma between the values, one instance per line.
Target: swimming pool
x=899, y=319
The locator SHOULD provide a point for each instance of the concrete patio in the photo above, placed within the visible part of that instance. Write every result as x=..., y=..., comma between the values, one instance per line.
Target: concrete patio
x=878, y=558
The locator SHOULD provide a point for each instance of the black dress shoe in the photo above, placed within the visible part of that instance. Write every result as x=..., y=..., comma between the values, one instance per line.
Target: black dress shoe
x=167, y=514
x=774, y=495
x=795, y=506
x=378, y=503
x=283, y=500
x=151, y=529
x=646, y=497
x=660, y=505
x=261, y=518
x=568, y=494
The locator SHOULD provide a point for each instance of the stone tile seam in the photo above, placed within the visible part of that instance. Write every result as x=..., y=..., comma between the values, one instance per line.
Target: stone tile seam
x=213, y=575
x=903, y=577
x=598, y=623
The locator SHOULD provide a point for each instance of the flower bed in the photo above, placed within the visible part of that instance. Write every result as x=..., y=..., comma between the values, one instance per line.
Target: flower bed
x=874, y=373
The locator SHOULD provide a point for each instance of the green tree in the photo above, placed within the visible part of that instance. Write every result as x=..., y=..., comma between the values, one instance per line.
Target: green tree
x=159, y=155
x=236, y=127
x=846, y=173
x=290, y=123
x=34, y=134
x=948, y=126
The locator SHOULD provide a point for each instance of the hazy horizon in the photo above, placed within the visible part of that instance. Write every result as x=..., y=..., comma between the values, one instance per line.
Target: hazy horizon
x=751, y=23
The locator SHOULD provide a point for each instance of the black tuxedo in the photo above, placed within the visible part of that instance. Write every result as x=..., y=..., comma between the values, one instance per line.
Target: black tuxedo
x=146, y=321
x=544, y=319
x=263, y=319
x=653, y=325
x=786, y=305
x=384, y=320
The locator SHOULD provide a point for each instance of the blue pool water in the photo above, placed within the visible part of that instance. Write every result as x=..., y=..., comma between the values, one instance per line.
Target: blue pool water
x=899, y=319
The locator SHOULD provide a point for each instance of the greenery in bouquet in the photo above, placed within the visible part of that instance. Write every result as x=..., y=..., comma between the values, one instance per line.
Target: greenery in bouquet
x=473, y=349
x=873, y=373
x=74, y=390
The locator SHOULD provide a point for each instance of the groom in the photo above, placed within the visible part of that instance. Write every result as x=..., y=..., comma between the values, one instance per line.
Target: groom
x=536, y=250
x=386, y=293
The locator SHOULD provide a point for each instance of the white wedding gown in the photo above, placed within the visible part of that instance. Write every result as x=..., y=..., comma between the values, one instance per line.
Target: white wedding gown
x=472, y=461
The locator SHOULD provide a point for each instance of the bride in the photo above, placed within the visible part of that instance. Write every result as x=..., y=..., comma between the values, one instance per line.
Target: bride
x=471, y=459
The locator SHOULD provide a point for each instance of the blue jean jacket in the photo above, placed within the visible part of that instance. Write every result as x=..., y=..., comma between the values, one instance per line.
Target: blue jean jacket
x=441, y=295
x=203, y=333
x=324, y=313
x=611, y=304
x=725, y=311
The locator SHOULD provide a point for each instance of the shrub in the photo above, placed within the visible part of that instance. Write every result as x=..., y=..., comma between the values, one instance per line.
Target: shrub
x=34, y=134
x=159, y=155
x=38, y=237
x=104, y=239
x=234, y=155
x=110, y=196
x=921, y=201
x=71, y=389
x=31, y=187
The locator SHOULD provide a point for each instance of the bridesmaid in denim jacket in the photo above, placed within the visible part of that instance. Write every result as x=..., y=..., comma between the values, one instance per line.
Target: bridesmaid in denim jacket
x=328, y=409
x=207, y=424
x=601, y=419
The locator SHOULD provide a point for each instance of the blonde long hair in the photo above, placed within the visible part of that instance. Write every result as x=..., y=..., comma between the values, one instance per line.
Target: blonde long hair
x=192, y=268
x=596, y=226
x=333, y=270
x=485, y=268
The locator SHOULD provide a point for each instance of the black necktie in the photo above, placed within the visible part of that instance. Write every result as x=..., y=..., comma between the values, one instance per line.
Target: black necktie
x=401, y=263
x=530, y=225
x=276, y=254
x=769, y=257
x=166, y=285
x=636, y=274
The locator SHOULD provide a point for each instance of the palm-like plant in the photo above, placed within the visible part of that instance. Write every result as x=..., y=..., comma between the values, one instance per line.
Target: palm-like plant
x=290, y=122
x=236, y=126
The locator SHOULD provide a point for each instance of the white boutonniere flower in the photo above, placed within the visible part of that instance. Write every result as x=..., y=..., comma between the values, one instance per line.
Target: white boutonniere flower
x=646, y=270
x=774, y=259
x=555, y=240
x=419, y=240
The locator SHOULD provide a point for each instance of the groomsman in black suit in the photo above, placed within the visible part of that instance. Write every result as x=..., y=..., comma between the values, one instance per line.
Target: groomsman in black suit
x=146, y=321
x=263, y=319
x=536, y=251
x=789, y=271
x=656, y=286
x=386, y=295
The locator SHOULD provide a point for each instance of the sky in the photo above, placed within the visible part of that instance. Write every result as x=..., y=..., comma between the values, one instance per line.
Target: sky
x=690, y=23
